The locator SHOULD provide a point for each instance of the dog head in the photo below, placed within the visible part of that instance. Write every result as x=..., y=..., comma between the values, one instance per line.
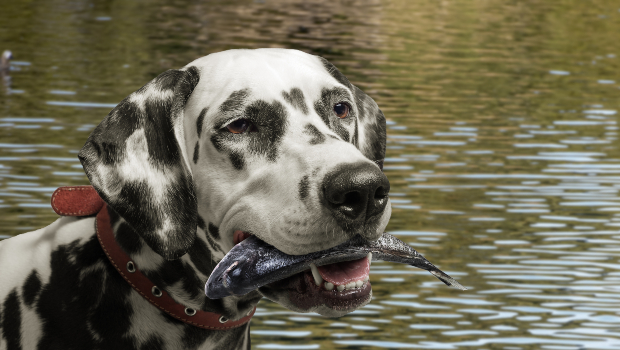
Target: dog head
x=271, y=142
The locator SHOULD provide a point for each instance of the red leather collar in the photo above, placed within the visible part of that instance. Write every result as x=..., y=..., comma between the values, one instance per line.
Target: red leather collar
x=84, y=201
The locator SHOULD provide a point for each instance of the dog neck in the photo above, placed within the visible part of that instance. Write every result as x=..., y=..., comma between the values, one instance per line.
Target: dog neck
x=184, y=278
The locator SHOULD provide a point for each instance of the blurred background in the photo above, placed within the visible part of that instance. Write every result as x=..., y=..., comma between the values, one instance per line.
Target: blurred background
x=502, y=147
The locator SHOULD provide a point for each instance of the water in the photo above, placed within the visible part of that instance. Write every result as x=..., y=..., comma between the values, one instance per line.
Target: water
x=502, y=148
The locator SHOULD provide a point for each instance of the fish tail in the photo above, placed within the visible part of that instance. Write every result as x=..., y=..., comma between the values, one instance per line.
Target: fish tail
x=449, y=281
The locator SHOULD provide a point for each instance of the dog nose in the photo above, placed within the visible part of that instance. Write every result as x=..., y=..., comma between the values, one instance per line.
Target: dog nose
x=356, y=192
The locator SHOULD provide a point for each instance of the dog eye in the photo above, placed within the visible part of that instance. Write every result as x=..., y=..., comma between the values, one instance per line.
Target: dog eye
x=240, y=126
x=341, y=109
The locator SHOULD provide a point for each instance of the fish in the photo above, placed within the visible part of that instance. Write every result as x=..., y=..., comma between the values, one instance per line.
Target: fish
x=254, y=263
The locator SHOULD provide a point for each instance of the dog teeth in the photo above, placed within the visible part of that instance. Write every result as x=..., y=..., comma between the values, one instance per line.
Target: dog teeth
x=317, y=276
x=369, y=259
x=348, y=286
x=318, y=279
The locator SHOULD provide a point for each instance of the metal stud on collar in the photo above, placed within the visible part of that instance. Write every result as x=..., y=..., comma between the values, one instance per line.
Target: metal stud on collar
x=131, y=267
x=156, y=291
x=223, y=319
x=189, y=311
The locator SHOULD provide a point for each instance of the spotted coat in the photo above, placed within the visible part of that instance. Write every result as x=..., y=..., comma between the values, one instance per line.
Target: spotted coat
x=178, y=183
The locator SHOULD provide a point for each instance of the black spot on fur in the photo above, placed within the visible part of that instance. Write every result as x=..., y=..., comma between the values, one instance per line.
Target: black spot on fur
x=233, y=338
x=173, y=79
x=372, y=122
x=31, y=288
x=202, y=257
x=135, y=204
x=201, y=223
x=107, y=325
x=200, y=120
x=235, y=101
x=12, y=321
x=109, y=147
x=193, y=337
x=364, y=104
x=114, y=217
x=136, y=195
x=196, y=148
x=85, y=294
x=157, y=119
x=171, y=272
x=296, y=99
x=236, y=159
x=323, y=110
x=304, y=187
x=324, y=107
x=218, y=142
x=375, y=136
x=153, y=343
x=270, y=120
x=355, y=138
x=188, y=82
x=214, y=231
x=343, y=133
x=317, y=136
x=159, y=133
x=212, y=235
x=128, y=239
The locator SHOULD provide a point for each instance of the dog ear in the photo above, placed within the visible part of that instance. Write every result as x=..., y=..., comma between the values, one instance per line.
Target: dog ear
x=137, y=162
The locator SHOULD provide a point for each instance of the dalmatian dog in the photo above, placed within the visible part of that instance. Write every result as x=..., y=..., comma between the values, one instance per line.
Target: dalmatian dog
x=273, y=143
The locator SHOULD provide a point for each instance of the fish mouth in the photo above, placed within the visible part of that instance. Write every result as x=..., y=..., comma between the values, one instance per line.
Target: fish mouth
x=253, y=263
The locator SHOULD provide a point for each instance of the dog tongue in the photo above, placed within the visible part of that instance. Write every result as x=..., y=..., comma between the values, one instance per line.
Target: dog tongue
x=344, y=272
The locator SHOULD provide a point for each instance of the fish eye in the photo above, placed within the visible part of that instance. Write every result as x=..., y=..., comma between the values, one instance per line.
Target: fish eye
x=342, y=109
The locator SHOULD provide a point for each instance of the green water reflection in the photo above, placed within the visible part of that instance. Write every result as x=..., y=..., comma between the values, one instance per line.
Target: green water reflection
x=502, y=147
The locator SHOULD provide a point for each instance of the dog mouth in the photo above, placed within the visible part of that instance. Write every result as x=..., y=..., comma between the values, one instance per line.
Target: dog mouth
x=339, y=285
x=346, y=275
x=337, y=277
x=342, y=287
